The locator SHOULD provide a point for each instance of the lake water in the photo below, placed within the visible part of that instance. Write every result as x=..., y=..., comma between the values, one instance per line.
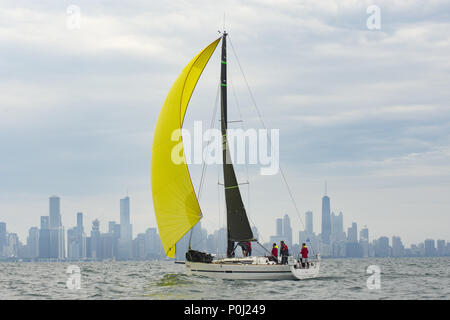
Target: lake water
x=400, y=278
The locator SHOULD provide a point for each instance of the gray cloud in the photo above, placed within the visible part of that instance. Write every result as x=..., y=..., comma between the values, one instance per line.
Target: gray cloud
x=363, y=109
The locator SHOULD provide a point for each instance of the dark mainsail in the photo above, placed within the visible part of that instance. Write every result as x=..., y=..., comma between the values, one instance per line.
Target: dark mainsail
x=238, y=226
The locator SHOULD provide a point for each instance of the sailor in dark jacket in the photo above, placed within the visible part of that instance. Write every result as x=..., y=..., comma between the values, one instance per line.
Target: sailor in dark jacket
x=284, y=252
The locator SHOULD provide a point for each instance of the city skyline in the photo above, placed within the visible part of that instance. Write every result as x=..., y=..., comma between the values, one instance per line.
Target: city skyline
x=55, y=211
x=50, y=240
x=145, y=216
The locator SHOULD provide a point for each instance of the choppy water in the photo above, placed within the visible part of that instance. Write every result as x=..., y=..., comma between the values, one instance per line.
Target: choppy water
x=401, y=278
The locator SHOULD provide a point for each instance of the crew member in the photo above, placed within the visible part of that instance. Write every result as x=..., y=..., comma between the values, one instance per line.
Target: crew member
x=249, y=249
x=284, y=251
x=304, y=253
x=274, y=256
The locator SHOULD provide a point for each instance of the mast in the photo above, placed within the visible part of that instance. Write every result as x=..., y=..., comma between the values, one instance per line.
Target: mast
x=238, y=226
x=223, y=84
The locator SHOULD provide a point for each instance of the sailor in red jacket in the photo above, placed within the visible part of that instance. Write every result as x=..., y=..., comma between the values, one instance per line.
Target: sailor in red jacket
x=249, y=248
x=304, y=253
x=274, y=256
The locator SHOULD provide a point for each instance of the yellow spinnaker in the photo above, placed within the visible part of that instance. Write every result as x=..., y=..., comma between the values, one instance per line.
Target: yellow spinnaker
x=176, y=206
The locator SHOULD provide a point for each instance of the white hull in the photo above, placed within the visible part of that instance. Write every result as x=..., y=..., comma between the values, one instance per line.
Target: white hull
x=252, y=268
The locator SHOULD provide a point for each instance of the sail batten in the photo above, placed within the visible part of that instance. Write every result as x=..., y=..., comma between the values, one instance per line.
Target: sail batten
x=176, y=205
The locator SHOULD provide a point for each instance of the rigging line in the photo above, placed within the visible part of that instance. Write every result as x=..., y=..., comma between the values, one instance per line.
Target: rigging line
x=245, y=129
x=264, y=248
x=264, y=126
x=207, y=147
x=246, y=82
x=219, y=207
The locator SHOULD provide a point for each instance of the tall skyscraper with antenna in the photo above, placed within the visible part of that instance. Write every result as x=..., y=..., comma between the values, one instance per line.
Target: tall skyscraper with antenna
x=57, y=238
x=326, y=218
x=125, y=240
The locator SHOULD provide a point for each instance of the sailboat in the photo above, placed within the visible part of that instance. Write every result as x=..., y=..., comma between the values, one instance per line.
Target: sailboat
x=176, y=204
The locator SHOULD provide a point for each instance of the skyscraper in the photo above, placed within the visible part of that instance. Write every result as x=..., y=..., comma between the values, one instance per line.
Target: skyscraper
x=72, y=245
x=76, y=240
x=337, y=223
x=125, y=210
x=80, y=221
x=57, y=243
x=337, y=227
x=364, y=242
x=440, y=250
x=430, y=249
x=326, y=220
x=114, y=230
x=33, y=243
x=287, y=230
x=279, y=227
x=139, y=247
x=44, y=238
x=55, y=213
x=309, y=222
x=352, y=247
x=352, y=234
x=152, y=243
x=364, y=234
x=13, y=244
x=80, y=236
x=382, y=248
x=96, y=249
x=107, y=240
x=57, y=238
x=45, y=224
x=398, y=250
x=284, y=231
x=125, y=240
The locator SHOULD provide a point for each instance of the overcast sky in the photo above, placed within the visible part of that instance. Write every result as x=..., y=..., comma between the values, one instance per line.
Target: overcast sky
x=365, y=110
